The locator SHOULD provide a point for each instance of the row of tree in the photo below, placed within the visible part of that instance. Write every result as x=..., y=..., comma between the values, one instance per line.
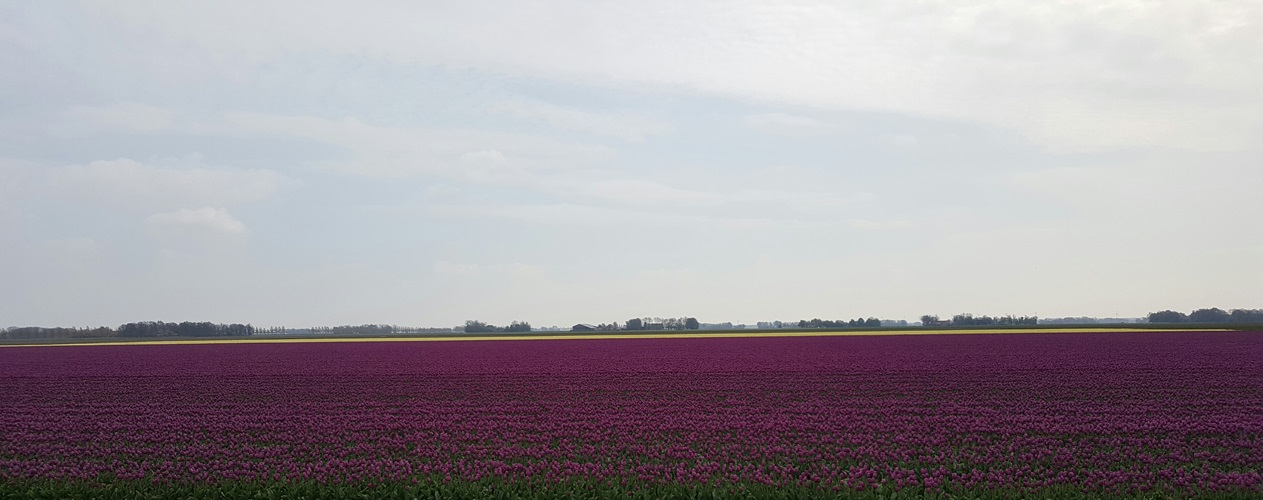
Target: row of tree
x=841, y=323
x=208, y=329
x=967, y=319
x=363, y=330
x=655, y=323
x=612, y=326
x=1088, y=320
x=37, y=332
x=184, y=329
x=472, y=326
x=369, y=329
x=1211, y=315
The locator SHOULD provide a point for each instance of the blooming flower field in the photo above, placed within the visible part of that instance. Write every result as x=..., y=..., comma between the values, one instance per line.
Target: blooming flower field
x=1151, y=414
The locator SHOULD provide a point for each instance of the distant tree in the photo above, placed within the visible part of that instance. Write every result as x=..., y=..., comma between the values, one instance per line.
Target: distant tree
x=929, y=320
x=691, y=324
x=872, y=323
x=967, y=319
x=518, y=327
x=473, y=326
x=147, y=329
x=199, y=329
x=1247, y=315
x=183, y=329
x=132, y=330
x=1168, y=316
x=239, y=329
x=36, y=332
x=370, y=329
x=653, y=323
x=635, y=324
x=1212, y=315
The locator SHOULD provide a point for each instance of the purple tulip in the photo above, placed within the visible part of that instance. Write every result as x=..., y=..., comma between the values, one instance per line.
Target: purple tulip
x=1169, y=412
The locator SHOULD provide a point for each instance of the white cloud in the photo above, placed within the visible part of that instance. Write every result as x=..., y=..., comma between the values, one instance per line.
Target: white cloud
x=120, y=116
x=1071, y=75
x=901, y=140
x=800, y=200
x=625, y=126
x=215, y=220
x=441, y=191
x=595, y=216
x=532, y=163
x=166, y=185
x=487, y=271
x=17, y=181
x=879, y=225
x=75, y=254
x=910, y=195
x=787, y=124
x=445, y=268
x=490, y=156
x=629, y=192
x=404, y=151
x=1147, y=194
x=560, y=214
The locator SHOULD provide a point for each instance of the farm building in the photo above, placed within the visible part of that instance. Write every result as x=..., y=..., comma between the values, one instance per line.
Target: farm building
x=583, y=327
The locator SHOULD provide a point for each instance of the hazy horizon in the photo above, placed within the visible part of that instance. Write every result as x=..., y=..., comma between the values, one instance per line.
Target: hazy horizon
x=311, y=163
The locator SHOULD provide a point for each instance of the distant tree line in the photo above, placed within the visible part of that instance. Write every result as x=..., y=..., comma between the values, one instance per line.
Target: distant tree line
x=655, y=323
x=841, y=323
x=1087, y=320
x=363, y=329
x=208, y=329
x=770, y=325
x=984, y=320
x=967, y=319
x=184, y=329
x=37, y=332
x=1212, y=315
x=371, y=329
x=472, y=326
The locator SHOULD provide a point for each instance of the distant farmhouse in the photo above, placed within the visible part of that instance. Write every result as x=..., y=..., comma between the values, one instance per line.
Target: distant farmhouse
x=583, y=327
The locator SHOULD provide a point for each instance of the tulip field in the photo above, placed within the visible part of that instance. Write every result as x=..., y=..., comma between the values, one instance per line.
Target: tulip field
x=1155, y=414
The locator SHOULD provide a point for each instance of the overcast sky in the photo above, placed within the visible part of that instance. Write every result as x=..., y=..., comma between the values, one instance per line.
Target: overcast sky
x=425, y=163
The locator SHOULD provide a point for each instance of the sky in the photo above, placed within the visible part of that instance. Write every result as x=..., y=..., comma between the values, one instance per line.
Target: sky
x=300, y=163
